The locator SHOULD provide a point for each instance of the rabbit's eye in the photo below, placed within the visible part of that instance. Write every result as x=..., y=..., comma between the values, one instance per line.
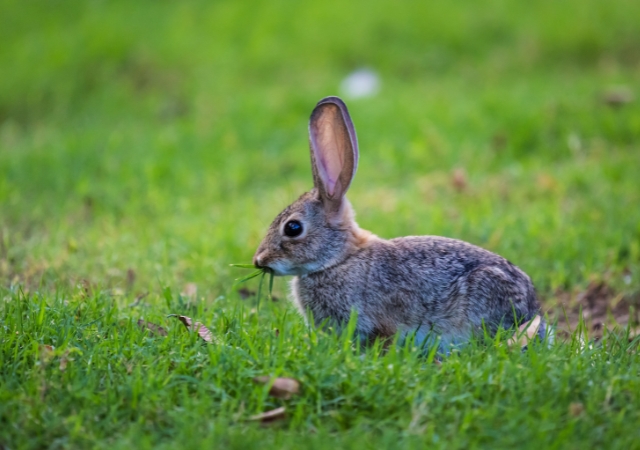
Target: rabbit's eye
x=293, y=228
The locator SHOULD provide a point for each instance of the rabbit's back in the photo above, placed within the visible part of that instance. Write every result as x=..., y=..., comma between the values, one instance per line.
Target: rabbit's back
x=420, y=283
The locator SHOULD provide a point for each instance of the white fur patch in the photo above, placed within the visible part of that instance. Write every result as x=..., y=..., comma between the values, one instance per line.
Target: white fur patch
x=281, y=268
x=295, y=298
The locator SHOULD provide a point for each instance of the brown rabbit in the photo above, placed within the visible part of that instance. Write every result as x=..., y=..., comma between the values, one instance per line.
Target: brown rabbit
x=443, y=290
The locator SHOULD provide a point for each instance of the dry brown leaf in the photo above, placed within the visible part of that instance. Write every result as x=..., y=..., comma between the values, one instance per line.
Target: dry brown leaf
x=281, y=388
x=270, y=416
x=152, y=327
x=526, y=332
x=202, y=331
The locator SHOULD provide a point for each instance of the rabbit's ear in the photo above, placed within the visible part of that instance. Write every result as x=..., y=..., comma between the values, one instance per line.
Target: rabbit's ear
x=334, y=150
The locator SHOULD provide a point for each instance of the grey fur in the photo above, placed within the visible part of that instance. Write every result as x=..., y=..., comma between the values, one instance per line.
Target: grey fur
x=428, y=285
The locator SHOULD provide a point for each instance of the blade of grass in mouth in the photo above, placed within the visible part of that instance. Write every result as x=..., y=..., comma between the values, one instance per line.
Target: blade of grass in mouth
x=262, y=271
x=270, y=284
x=250, y=276
x=259, y=295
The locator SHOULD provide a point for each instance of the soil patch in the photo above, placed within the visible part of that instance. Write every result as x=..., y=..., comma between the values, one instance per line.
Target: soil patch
x=600, y=306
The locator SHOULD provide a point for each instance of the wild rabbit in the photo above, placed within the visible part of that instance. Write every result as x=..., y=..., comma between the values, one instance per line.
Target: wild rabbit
x=443, y=290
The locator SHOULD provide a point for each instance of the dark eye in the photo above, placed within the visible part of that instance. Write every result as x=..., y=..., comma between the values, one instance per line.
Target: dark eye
x=293, y=228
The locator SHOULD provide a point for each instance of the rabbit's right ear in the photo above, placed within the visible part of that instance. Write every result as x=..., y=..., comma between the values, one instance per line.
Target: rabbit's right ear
x=334, y=150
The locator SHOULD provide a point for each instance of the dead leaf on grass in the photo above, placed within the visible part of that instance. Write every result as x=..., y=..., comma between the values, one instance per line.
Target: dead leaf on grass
x=153, y=328
x=281, y=388
x=270, y=416
x=202, y=331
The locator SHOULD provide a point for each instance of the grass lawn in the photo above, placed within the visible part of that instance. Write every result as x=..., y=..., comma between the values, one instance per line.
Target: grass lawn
x=145, y=146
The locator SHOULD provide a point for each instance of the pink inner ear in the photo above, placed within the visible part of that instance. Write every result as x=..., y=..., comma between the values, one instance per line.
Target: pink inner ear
x=329, y=158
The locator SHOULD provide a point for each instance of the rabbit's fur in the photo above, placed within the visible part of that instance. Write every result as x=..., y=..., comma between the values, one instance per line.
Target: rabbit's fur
x=435, y=287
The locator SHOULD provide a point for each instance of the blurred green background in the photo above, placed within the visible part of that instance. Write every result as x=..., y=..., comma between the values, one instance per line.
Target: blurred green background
x=149, y=144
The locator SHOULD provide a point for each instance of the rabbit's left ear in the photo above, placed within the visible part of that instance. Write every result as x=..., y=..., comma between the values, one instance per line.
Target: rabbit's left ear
x=334, y=150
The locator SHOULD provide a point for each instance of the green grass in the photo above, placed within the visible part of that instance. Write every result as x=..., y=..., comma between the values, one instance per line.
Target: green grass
x=145, y=146
x=123, y=386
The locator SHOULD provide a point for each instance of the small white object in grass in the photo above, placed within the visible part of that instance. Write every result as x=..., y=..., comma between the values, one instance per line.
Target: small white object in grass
x=360, y=83
x=525, y=333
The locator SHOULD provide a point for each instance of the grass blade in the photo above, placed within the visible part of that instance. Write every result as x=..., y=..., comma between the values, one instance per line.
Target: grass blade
x=260, y=291
x=248, y=277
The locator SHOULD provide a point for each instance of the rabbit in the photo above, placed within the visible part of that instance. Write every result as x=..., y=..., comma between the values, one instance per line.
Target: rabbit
x=441, y=291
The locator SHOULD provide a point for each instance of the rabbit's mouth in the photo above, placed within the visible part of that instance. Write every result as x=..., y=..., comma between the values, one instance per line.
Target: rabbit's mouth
x=274, y=267
x=279, y=268
x=284, y=268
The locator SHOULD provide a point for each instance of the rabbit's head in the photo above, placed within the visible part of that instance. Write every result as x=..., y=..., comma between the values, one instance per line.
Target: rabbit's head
x=318, y=230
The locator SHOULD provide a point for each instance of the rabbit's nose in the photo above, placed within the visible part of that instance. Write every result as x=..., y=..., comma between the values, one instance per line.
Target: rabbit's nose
x=257, y=260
